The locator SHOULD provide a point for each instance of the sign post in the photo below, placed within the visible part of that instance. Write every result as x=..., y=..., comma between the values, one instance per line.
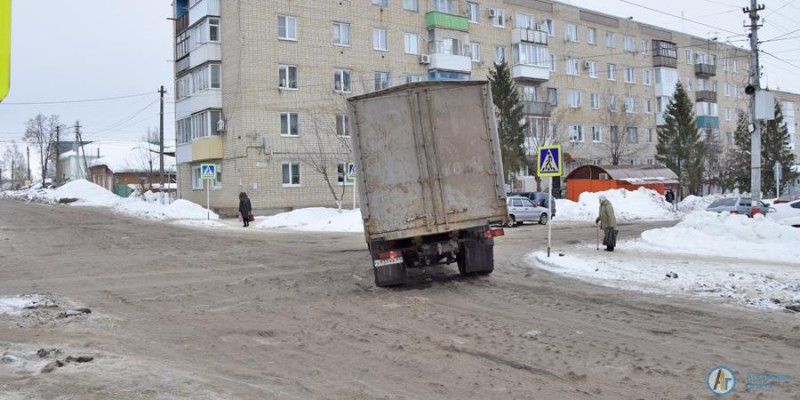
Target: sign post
x=350, y=176
x=208, y=172
x=549, y=164
x=778, y=169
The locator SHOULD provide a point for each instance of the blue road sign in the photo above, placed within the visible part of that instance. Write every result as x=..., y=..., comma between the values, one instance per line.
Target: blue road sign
x=549, y=163
x=208, y=171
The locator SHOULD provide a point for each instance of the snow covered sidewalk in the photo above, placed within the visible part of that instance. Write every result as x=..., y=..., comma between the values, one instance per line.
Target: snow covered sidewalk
x=752, y=261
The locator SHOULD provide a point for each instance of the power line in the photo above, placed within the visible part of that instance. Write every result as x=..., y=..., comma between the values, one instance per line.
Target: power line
x=677, y=16
x=78, y=101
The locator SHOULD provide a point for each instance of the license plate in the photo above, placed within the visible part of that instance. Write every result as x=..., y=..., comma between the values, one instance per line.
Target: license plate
x=388, y=261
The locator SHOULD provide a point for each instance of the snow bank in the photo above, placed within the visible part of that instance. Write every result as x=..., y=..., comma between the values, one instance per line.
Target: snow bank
x=642, y=204
x=179, y=209
x=725, y=235
x=87, y=193
x=316, y=219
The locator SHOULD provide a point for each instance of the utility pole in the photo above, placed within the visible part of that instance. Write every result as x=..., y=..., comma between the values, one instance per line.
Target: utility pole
x=28, y=150
x=755, y=83
x=79, y=140
x=58, y=156
x=161, y=91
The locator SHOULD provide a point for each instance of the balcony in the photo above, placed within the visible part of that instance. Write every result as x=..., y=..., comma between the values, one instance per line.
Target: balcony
x=708, y=96
x=664, y=61
x=202, y=9
x=181, y=23
x=528, y=35
x=531, y=73
x=450, y=62
x=705, y=70
x=437, y=19
x=707, y=122
x=536, y=108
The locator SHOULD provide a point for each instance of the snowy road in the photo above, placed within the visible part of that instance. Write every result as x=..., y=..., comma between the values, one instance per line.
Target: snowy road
x=183, y=312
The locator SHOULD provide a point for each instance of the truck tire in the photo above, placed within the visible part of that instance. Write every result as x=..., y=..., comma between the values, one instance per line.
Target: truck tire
x=476, y=256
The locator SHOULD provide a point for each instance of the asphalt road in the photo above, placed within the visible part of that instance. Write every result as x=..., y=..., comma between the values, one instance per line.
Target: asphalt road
x=189, y=313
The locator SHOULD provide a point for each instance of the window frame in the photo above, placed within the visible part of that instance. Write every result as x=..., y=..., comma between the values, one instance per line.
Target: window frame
x=571, y=33
x=288, y=68
x=292, y=165
x=341, y=31
x=288, y=37
x=406, y=41
x=341, y=73
x=292, y=123
x=415, y=4
x=380, y=39
x=591, y=36
x=473, y=16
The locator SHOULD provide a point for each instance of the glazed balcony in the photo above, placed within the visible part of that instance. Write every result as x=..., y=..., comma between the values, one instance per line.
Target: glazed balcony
x=708, y=96
x=705, y=70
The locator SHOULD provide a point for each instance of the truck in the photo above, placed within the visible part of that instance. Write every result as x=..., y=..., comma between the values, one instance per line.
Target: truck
x=429, y=175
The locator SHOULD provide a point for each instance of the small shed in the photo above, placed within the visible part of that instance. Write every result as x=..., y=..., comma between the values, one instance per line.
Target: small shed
x=596, y=178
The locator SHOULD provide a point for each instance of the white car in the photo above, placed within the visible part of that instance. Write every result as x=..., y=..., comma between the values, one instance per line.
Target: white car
x=522, y=209
x=786, y=213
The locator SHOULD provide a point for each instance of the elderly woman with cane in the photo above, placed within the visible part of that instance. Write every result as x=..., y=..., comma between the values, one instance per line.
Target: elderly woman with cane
x=608, y=223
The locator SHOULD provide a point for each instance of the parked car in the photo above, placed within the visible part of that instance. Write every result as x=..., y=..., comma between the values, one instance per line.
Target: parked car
x=736, y=205
x=787, y=213
x=521, y=209
x=539, y=199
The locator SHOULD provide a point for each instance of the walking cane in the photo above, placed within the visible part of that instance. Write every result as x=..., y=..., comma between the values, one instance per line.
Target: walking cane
x=598, y=237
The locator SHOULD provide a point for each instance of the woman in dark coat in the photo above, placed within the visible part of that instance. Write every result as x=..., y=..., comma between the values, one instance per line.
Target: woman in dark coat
x=245, y=210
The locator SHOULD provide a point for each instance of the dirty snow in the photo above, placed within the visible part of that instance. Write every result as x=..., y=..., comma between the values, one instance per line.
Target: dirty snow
x=640, y=205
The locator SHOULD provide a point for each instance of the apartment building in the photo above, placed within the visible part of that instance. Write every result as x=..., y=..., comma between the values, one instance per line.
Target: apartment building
x=261, y=85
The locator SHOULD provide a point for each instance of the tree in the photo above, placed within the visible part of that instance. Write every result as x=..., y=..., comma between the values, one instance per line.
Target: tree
x=14, y=165
x=680, y=147
x=510, y=126
x=41, y=131
x=328, y=146
x=621, y=125
x=774, y=139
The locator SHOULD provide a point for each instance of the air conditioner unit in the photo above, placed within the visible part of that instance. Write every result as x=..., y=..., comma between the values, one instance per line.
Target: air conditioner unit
x=492, y=13
x=424, y=58
x=603, y=176
x=541, y=27
x=221, y=125
x=586, y=65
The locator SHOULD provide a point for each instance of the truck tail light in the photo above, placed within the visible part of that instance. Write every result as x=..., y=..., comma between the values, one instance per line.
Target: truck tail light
x=388, y=255
x=494, y=232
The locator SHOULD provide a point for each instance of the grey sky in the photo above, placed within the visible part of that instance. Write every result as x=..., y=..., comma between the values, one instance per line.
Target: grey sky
x=69, y=51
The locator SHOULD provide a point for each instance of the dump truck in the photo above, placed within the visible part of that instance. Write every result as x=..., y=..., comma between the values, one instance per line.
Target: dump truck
x=429, y=175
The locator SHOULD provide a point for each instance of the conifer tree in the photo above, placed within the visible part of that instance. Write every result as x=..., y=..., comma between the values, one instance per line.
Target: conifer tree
x=680, y=147
x=505, y=97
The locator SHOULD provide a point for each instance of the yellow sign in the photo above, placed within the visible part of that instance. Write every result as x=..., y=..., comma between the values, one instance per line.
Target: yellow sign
x=549, y=162
x=5, y=47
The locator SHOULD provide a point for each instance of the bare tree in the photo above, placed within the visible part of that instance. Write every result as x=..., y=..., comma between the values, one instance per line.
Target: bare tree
x=14, y=163
x=41, y=131
x=620, y=120
x=543, y=131
x=328, y=146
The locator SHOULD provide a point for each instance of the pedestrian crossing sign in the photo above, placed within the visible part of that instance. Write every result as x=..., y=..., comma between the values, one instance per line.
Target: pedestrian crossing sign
x=208, y=171
x=549, y=161
x=350, y=175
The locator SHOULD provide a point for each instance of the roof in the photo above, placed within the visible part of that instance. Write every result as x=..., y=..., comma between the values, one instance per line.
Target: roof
x=634, y=174
x=119, y=157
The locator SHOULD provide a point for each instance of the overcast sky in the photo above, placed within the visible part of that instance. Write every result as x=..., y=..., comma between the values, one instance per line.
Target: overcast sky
x=69, y=52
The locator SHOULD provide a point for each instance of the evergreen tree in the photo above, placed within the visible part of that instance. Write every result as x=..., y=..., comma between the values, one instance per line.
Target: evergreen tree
x=505, y=97
x=774, y=137
x=680, y=147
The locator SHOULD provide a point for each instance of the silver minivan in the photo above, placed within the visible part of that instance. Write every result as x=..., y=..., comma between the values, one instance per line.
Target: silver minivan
x=522, y=209
x=736, y=205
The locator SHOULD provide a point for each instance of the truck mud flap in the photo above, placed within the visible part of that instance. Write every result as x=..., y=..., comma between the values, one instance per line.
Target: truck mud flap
x=390, y=274
x=476, y=256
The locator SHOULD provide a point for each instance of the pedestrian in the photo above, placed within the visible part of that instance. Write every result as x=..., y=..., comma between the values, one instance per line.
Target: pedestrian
x=608, y=223
x=245, y=209
x=670, y=197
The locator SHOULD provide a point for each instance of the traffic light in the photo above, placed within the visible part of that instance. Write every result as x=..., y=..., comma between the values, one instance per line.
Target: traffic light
x=5, y=47
x=749, y=90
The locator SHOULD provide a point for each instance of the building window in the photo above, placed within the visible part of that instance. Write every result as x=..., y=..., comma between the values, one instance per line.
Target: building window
x=630, y=75
x=411, y=5
x=612, y=102
x=445, y=6
x=213, y=29
x=612, y=72
x=287, y=76
x=630, y=104
x=648, y=106
x=549, y=27
x=688, y=56
x=182, y=45
x=572, y=66
x=552, y=62
x=574, y=98
x=575, y=133
x=380, y=40
x=644, y=46
x=647, y=78
x=290, y=174
x=591, y=35
x=528, y=93
x=414, y=77
x=381, y=3
x=727, y=89
x=287, y=27
x=343, y=125
x=341, y=81
x=290, y=124
x=689, y=84
x=411, y=43
x=597, y=134
x=610, y=40
x=525, y=21
x=197, y=179
x=735, y=66
x=633, y=135
x=728, y=113
x=628, y=43
x=592, y=68
x=552, y=96
x=571, y=32
x=499, y=19
x=595, y=100
x=341, y=34
x=381, y=80
x=651, y=161
x=648, y=132
x=725, y=64
x=340, y=174
x=613, y=130
x=499, y=54
x=475, y=52
x=473, y=12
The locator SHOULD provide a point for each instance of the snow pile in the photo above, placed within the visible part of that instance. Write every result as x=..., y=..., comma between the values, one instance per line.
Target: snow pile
x=693, y=203
x=316, y=219
x=86, y=193
x=153, y=209
x=642, y=204
x=723, y=234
